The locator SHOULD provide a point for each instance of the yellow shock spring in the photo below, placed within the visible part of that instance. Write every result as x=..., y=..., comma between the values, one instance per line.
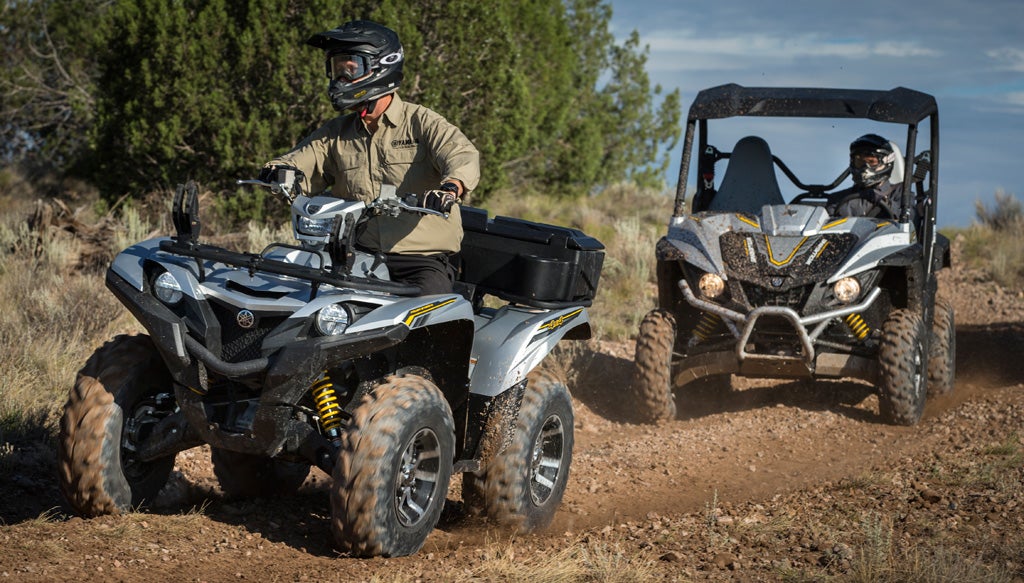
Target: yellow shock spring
x=857, y=325
x=706, y=326
x=326, y=400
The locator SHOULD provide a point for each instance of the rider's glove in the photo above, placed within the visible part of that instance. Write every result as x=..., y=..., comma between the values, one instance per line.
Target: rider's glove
x=284, y=180
x=440, y=199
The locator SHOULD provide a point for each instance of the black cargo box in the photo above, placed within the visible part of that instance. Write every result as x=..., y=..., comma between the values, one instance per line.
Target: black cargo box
x=529, y=263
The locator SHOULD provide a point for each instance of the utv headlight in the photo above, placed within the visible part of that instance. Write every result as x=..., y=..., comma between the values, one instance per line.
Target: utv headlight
x=314, y=227
x=332, y=320
x=167, y=289
x=711, y=285
x=846, y=290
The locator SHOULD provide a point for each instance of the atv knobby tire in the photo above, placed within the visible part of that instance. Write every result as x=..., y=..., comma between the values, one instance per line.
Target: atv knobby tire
x=522, y=486
x=903, y=374
x=109, y=411
x=243, y=475
x=942, y=361
x=652, y=371
x=393, y=470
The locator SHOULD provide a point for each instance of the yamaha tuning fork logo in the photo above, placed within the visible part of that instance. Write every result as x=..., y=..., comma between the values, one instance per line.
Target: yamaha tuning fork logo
x=245, y=319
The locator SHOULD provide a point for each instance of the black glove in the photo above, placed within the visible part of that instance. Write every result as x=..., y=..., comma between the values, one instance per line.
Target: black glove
x=440, y=199
x=278, y=174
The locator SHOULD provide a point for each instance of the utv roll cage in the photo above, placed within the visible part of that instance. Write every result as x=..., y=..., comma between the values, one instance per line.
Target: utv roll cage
x=898, y=106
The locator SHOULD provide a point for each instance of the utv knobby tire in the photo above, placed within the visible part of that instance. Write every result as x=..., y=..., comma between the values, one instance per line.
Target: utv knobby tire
x=903, y=374
x=652, y=369
x=97, y=474
x=392, y=473
x=522, y=486
x=243, y=475
x=942, y=360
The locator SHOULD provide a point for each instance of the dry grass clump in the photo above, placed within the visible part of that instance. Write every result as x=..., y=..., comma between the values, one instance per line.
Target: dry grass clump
x=995, y=244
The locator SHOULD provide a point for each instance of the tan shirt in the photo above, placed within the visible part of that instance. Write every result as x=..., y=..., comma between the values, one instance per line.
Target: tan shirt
x=414, y=149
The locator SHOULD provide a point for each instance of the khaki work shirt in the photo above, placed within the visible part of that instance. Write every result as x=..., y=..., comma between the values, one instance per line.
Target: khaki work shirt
x=414, y=148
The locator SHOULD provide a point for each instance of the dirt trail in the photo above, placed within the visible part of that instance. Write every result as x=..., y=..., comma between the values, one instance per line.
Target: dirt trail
x=764, y=444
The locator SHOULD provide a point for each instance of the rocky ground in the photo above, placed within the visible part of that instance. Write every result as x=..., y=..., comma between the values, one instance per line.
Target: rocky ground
x=773, y=481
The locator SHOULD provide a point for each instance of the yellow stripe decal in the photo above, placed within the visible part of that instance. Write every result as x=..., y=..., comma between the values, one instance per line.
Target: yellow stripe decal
x=771, y=256
x=834, y=224
x=417, y=312
x=748, y=221
x=822, y=250
x=558, y=322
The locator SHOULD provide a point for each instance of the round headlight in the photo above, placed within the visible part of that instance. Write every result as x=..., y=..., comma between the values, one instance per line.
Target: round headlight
x=711, y=285
x=846, y=290
x=167, y=289
x=332, y=319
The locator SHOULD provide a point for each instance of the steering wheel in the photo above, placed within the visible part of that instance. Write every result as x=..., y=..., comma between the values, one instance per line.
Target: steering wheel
x=806, y=195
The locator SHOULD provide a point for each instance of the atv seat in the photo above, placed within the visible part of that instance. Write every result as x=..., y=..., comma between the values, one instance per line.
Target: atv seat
x=749, y=182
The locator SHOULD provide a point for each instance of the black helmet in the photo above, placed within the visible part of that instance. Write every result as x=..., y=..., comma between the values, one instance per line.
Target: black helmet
x=871, y=160
x=364, y=61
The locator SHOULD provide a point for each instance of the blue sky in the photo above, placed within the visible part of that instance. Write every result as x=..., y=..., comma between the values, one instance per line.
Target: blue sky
x=970, y=56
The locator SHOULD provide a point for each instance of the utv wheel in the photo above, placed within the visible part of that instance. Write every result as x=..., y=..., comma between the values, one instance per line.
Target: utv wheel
x=244, y=475
x=652, y=372
x=122, y=391
x=393, y=469
x=942, y=360
x=903, y=369
x=522, y=486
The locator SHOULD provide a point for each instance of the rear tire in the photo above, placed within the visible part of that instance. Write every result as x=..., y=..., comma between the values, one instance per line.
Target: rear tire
x=393, y=470
x=942, y=361
x=123, y=390
x=903, y=369
x=243, y=475
x=522, y=486
x=652, y=368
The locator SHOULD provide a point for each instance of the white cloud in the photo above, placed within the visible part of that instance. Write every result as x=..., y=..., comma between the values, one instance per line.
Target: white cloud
x=1008, y=58
x=685, y=50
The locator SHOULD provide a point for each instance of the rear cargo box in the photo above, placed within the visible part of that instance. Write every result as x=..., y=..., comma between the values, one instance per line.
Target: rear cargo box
x=529, y=263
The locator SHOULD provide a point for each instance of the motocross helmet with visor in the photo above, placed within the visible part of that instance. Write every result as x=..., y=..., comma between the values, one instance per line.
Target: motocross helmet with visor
x=871, y=160
x=363, y=62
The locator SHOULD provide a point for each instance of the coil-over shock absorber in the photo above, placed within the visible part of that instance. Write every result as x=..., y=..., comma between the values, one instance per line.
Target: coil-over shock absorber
x=858, y=326
x=705, y=327
x=325, y=397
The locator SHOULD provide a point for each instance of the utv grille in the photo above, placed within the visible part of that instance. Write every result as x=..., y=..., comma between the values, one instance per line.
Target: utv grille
x=758, y=296
x=239, y=344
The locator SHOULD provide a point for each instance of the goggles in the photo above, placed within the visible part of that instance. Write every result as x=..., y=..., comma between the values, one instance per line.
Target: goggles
x=347, y=67
x=865, y=159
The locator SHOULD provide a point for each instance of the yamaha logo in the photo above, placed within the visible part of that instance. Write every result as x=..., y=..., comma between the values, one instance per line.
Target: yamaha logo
x=245, y=319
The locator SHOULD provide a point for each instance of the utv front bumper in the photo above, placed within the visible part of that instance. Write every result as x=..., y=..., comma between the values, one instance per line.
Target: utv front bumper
x=809, y=360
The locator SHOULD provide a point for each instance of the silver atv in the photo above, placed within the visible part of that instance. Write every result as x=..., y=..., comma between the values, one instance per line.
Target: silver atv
x=308, y=355
x=755, y=286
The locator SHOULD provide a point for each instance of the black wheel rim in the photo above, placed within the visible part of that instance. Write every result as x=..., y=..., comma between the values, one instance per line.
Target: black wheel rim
x=546, y=459
x=137, y=428
x=417, y=477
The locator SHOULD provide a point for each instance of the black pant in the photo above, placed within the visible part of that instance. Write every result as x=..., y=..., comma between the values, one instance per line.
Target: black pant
x=434, y=274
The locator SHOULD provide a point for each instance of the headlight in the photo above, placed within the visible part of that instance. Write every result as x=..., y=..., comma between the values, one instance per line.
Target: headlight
x=846, y=290
x=314, y=227
x=332, y=320
x=711, y=285
x=167, y=289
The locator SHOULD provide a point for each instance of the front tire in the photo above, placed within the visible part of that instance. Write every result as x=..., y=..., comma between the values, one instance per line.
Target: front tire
x=903, y=369
x=393, y=469
x=522, y=486
x=652, y=368
x=942, y=361
x=123, y=390
x=243, y=475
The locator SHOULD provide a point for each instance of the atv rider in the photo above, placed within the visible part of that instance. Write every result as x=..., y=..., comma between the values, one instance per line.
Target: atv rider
x=381, y=139
x=872, y=158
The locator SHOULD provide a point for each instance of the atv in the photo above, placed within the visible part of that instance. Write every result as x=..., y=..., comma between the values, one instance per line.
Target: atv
x=307, y=354
x=754, y=286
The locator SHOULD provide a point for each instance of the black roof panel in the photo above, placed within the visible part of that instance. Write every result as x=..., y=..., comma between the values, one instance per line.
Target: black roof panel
x=899, y=105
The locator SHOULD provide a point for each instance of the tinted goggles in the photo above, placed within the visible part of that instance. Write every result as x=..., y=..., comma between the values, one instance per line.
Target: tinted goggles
x=347, y=66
